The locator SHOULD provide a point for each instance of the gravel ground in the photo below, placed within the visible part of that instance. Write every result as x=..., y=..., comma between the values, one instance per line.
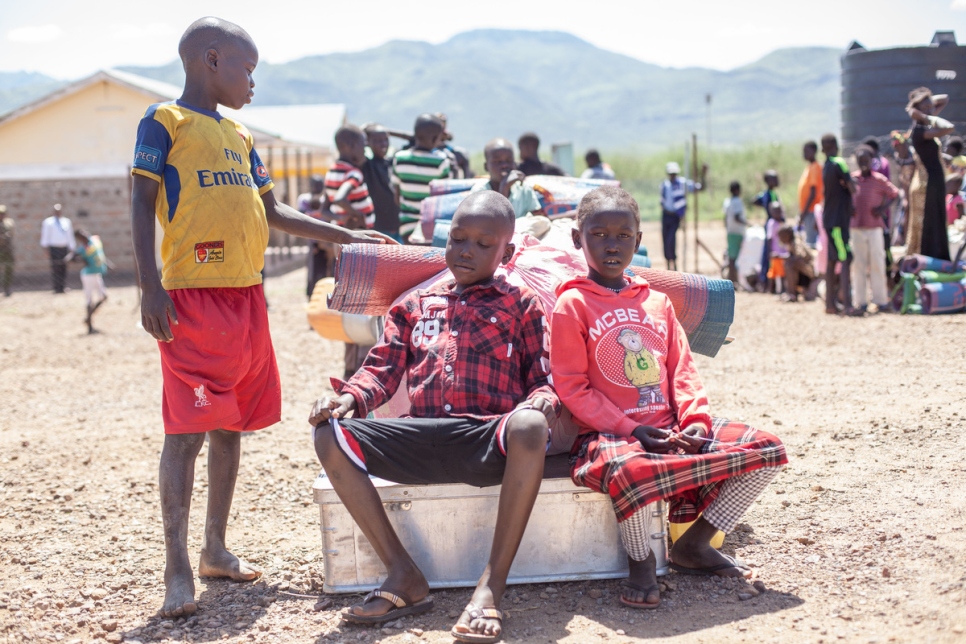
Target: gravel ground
x=858, y=540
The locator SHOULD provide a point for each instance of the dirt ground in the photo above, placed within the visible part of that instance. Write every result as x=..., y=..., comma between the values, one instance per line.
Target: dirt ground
x=860, y=539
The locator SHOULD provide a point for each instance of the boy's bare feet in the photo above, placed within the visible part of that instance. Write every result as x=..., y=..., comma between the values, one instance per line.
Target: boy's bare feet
x=221, y=563
x=693, y=552
x=179, y=596
x=641, y=589
x=406, y=579
x=483, y=597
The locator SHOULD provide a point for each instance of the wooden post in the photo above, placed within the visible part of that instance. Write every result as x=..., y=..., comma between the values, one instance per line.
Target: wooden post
x=298, y=174
x=695, y=173
x=683, y=266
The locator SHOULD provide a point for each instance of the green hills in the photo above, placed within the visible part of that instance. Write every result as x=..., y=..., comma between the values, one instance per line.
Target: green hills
x=502, y=83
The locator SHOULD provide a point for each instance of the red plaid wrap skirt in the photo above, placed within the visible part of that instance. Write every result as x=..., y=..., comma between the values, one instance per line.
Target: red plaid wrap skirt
x=633, y=478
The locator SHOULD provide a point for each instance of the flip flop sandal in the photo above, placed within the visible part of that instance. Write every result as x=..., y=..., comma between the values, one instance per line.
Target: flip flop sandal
x=644, y=589
x=476, y=612
x=403, y=606
x=710, y=571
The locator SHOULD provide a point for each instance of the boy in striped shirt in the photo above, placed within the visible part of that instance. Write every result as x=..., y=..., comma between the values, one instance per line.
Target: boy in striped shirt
x=345, y=187
x=414, y=168
x=348, y=199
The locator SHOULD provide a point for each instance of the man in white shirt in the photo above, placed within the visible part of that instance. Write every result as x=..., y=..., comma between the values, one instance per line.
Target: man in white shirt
x=57, y=236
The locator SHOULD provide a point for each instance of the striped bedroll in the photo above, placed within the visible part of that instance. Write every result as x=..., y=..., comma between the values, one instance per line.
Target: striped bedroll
x=449, y=186
x=370, y=277
x=943, y=297
x=915, y=264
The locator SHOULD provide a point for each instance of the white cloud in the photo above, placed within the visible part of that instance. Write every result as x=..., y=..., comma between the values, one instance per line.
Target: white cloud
x=958, y=5
x=138, y=32
x=35, y=34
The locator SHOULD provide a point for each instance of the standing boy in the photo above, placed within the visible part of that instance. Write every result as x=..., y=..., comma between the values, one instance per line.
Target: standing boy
x=310, y=203
x=809, y=193
x=345, y=188
x=507, y=181
x=674, y=205
x=199, y=174
x=91, y=250
x=596, y=168
x=735, y=225
x=836, y=215
x=474, y=357
x=377, y=172
x=348, y=197
x=873, y=196
x=530, y=163
x=414, y=168
x=765, y=199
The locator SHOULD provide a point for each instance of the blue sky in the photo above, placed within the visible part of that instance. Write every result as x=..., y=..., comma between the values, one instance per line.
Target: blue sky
x=69, y=39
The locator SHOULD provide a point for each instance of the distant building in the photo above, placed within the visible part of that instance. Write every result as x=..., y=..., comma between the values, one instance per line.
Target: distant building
x=74, y=146
x=876, y=85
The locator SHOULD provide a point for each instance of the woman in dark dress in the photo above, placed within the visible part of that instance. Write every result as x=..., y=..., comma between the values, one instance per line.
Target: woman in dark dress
x=927, y=128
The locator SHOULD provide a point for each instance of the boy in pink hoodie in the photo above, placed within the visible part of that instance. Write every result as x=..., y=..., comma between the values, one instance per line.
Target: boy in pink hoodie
x=622, y=364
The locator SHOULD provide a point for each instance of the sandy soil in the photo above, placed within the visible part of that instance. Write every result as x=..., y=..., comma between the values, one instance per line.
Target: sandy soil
x=859, y=540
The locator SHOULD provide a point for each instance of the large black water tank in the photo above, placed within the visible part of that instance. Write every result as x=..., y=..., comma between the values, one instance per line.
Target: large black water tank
x=876, y=85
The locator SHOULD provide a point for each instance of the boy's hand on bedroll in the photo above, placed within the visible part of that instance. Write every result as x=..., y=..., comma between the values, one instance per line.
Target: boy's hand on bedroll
x=690, y=440
x=542, y=405
x=331, y=407
x=654, y=440
x=369, y=237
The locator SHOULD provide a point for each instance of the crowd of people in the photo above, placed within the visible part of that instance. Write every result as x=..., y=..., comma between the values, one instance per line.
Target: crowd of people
x=850, y=217
x=475, y=350
x=491, y=383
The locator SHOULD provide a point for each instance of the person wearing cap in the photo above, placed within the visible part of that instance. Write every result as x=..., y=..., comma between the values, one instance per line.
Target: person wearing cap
x=596, y=169
x=57, y=236
x=530, y=163
x=674, y=205
x=6, y=251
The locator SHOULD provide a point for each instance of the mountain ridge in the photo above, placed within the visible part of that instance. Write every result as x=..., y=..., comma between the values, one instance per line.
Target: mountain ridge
x=494, y=82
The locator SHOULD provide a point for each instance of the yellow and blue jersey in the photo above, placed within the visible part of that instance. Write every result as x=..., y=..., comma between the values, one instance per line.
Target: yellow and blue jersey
x=209, y=203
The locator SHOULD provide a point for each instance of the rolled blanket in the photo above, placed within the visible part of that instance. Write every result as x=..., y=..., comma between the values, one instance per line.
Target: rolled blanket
x=704, y=306
x=931, y=277
x=949, y=297
x=449, y=186
x=432, y=209
x=905, y=293
x=441, y=233
x=560, y=194
x=915, y=264
x=642, y=261
x=369, y=277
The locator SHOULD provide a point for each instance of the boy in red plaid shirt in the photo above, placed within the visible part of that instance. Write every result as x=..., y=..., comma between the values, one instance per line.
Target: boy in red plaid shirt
x=622, y=365
x=474, y=355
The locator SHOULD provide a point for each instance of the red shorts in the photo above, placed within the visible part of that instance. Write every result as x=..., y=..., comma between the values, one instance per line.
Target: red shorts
x=219, y=371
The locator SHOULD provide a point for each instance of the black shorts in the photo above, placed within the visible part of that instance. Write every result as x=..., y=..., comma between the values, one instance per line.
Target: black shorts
x=420, y=451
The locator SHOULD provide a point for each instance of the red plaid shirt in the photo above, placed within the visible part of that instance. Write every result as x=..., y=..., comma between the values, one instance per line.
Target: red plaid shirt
x=476, y=354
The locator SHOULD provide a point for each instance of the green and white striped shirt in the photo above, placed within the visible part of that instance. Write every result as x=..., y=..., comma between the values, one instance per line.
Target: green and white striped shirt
x=412, y=170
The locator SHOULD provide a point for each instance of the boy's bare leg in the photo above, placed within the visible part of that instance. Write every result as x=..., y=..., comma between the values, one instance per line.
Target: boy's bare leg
x=224, y=450
x=525, y=452
x=693, y=550
x=360, y=498
x=176, y=477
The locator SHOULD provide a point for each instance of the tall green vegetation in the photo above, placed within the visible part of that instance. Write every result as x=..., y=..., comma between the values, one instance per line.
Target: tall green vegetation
x=641, y=175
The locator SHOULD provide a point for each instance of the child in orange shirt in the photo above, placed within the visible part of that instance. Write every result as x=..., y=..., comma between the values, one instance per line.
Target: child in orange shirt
x=621, y=363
